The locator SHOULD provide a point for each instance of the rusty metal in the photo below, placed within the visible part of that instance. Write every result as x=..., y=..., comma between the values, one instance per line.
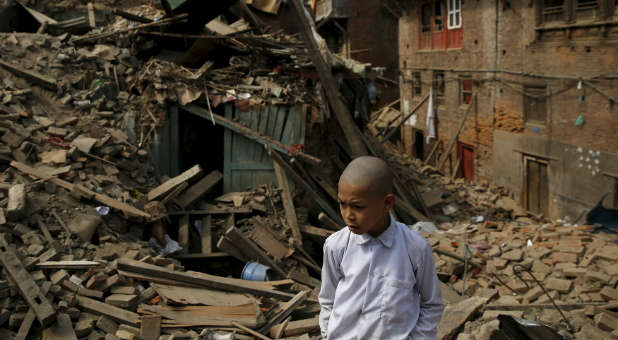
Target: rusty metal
x=518, y=275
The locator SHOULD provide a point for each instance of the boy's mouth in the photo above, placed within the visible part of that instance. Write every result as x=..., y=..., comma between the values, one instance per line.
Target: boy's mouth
x=353, y=228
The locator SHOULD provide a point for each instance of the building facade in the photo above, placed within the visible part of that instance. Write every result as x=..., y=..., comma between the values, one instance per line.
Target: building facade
x=533, y=85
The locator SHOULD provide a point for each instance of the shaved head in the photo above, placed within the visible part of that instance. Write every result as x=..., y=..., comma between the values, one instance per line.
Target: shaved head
x=368, y=172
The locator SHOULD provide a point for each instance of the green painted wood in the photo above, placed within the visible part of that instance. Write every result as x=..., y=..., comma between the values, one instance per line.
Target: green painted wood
x=246, y=163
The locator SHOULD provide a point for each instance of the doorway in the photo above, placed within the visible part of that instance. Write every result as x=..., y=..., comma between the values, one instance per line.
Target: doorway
x=536, y=193
x=465, y=154
x=419, y=144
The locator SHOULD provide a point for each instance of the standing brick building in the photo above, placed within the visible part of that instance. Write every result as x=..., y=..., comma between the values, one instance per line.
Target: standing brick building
x=536, y=81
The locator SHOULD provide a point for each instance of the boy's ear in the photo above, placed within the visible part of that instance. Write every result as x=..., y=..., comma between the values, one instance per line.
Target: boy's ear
x=389, y=201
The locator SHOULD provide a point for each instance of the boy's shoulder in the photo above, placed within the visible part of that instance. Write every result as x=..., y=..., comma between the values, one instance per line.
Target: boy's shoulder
x=338, y=240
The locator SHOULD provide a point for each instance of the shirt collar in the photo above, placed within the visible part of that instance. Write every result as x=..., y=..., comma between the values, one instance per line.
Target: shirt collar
x=386, y=237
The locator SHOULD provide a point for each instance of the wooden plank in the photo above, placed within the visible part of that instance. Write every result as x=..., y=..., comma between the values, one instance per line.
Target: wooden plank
x=183, y=233
x=277, y=330
x=451, y=141
x=393, y=130
x=267, y=241
x=28, y=289
x=251, y=134
x=250, y=331
x=211, y=255
x=316, y=197
x=31, y=76
x=198, y=190
x=250, y=249
x=206, y=239
x=228, y=246
x=526, y=306
x=100, y=308
x=69, y=186
x=299, y=327
x=150, y=327
x=195, y=316
x=62, y=329
x=78, y=264
x=213, y=211
x=315, y=231
x=200, y=296
x=91, y=21
x=175, y=192
x=172, y=183
x=203, y=280
x=286, y=310
x=328, y=222
x=346, y=122
x=288, y=204
x=24, y=328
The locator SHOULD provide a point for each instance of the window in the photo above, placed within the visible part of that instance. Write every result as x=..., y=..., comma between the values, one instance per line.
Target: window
x=454, y=14
x=553, y=10
x=435, y=17
x=416, y=85
x=426, y=18
x=535, y=104
x=575, y=10
x=586, y=9
x=438, y=15
x=438, y=86
x=465, y=90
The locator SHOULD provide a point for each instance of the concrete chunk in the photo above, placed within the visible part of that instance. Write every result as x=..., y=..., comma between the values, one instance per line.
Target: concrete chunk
x=606, y=322
x=560, y=285
x=16, y=207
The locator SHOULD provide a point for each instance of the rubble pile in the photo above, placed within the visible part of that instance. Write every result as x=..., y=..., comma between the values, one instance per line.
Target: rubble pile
x=505, y=260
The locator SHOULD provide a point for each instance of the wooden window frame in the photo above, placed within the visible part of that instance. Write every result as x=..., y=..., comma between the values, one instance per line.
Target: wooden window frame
x=454, y=11
x=572, y=10
x=462, y=89
x=529, y=91
x=417, y=86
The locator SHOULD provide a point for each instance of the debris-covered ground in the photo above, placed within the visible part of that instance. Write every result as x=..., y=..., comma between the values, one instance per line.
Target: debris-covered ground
x=96, y=244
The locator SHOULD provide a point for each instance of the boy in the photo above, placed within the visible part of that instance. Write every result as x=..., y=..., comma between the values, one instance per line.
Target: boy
x=375, y=269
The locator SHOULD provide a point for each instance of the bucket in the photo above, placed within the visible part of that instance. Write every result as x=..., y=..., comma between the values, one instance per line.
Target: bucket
x=254, y=271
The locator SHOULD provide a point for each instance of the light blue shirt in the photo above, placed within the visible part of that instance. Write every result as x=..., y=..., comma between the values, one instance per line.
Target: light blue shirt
x=383, y=287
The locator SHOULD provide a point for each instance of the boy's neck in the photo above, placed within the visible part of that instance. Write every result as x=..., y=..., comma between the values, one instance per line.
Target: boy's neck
x=386, y=223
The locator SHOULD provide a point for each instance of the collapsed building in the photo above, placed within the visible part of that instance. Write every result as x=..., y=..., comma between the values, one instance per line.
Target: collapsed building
x=169, y=171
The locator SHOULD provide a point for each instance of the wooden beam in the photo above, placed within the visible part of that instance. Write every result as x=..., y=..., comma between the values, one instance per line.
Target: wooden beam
x=206, y=238
x=249, y=330
x=150, y=327
x=106, y=200
x=197, y=190
x=250, y=133
x=100, y=308
x=315, y=231
x=95, y=37
x=392, y=131
x=213, y=211
x=170, y=184
x=31, y=76
x=564, y=306
x=288, y=204
x=286, y=310
x=26, y=286
x=24, y=328
x=447, y=151
x=322, y=66
x=299, y=327
x=298, y=179
x=328, y=222
x=203, y=280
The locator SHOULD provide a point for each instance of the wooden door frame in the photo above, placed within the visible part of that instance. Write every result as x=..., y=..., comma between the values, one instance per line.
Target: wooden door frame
x=525, y=191
x=459, y=170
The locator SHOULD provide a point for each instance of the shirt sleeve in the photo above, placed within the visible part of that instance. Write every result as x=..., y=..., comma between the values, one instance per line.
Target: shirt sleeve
x=331, y=274
x=431, y=306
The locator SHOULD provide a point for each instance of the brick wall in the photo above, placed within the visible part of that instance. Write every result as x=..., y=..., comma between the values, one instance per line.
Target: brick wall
x=506, y=38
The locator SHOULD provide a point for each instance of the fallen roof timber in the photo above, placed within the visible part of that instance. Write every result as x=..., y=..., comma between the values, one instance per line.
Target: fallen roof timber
x=250, y=133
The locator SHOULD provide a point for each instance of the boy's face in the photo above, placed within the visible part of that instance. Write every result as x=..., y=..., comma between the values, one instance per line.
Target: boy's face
x=364, y=211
